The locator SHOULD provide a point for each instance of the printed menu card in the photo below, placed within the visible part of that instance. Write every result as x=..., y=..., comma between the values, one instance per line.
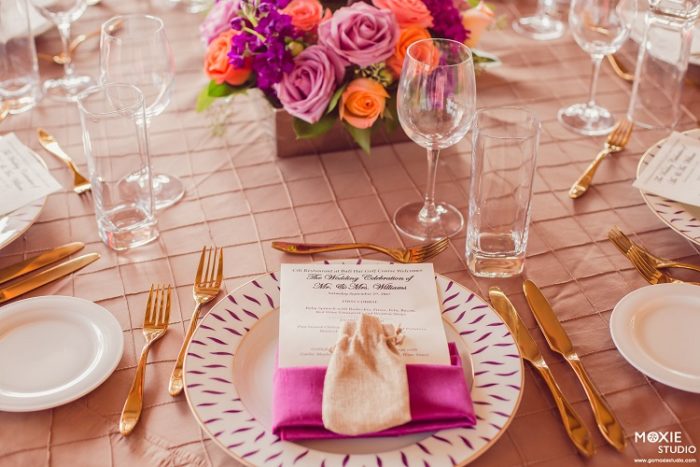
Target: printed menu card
x=674, y=172
x=317, y=298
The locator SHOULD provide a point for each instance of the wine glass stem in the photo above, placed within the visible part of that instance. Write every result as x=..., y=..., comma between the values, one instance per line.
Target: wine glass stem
x=429, y=211
x=543, y=8
x=597, y=59
x=64, y=31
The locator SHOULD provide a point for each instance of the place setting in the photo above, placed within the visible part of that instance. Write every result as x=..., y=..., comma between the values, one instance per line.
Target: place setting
x=216, y=247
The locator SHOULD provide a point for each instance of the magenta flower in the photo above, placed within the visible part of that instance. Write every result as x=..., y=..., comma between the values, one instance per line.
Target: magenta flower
x=307, y=90
x=218, y=19
x=360, y=34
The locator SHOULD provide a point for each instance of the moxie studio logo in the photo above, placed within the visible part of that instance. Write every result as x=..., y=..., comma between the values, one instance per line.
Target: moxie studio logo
x=669, y=442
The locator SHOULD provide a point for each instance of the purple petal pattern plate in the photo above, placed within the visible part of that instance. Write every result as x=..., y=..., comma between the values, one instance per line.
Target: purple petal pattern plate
x=228, y=384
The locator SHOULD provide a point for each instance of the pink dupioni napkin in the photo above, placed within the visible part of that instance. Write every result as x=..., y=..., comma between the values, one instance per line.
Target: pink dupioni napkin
x=438, y=394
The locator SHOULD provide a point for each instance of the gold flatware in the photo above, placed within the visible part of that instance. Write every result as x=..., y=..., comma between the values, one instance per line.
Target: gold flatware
x=16, y=270
x=577, y=431
x=4, y=110
x=559, y=342
x=619, y=69
x=46, y=276
x=625, y=244
x=416, y=254
x=80, y=183
x=616, y=142
x=207, y=284
x=155, y=324
x=62, y=58
x=647, y=269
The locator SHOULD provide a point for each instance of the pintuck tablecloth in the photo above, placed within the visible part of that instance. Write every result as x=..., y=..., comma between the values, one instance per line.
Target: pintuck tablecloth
x=242, y=197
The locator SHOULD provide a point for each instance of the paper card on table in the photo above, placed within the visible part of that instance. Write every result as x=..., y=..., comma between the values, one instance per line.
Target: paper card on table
x=22, y=177
x=317, y=298
x=674, y=172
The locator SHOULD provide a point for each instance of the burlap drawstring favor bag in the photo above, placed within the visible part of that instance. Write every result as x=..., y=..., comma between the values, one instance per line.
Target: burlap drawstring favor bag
x=365, y=388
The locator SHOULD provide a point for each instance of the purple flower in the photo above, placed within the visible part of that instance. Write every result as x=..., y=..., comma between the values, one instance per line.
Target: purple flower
x=218, y=19
x=307, y=90
x=447, y=22
x=360, y=34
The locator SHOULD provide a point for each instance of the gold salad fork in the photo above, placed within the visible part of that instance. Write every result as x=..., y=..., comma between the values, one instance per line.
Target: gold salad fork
x=416, y=254
x=625, y=244
x=647, y=269
x=155, y=323
x=616, y=142
x=80, y=183
x=207, y=284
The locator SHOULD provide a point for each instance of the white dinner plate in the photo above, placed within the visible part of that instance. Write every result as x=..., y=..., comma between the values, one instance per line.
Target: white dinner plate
x=667, y=40
x=656, y=329
x=53, y=350
x=230, y=364
x=682, y=218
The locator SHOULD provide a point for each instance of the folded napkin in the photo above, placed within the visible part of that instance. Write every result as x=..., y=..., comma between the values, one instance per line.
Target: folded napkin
x=438, y=396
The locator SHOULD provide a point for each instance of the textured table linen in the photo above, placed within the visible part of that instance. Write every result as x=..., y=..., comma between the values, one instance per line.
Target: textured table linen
x=241, y=197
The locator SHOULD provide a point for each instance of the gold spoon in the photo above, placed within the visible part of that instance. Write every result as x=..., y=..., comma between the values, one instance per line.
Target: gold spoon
x=62, y=59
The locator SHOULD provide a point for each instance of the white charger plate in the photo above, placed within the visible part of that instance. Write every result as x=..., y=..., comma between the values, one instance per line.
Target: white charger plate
x=53, y=350
x=228, y=384
x=680, y=217
x=656, y=329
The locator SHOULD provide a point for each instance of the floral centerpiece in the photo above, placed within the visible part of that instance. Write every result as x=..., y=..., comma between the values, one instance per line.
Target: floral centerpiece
x=324, y=62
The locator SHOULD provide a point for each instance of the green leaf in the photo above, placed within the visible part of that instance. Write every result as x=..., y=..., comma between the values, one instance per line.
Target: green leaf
x=362, y=136
x=306, y=130
x=336, y=97
x=473, y=3
x=481, y=59
x=219, y=90
x=204, y=100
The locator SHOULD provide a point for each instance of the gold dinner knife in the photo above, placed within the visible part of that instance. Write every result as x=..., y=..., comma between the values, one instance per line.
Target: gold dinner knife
x=37, y=262
x=44, y=277
x=559, y=342
x=575, y=428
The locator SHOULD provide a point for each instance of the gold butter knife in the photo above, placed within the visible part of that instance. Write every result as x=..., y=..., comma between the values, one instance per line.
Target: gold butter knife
x=44, y=277
x=559, y=342
x=37, y=262
x=577, y=431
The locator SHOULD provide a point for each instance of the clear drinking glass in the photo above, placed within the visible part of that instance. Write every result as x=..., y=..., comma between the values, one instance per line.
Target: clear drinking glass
x=600, y=27
x=662, y=63
x=504, y=152
x=542, y=26
x=62, y=13
x=19, y=71
x=194, y=6
x=436, y=103
x=116, y=148
x=135, y=49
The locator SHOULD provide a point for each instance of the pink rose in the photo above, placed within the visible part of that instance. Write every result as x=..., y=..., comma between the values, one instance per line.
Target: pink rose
x=307, y=90
x=476, y=20
x=408, y=12
x=360, y=34
x=306, y=14
x=218, y=19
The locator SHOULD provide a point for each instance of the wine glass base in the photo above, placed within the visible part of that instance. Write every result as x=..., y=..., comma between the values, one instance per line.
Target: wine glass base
x=67, y=89
x=409, y=221
x=590, y=121
x=540, y=27
x=167, y=190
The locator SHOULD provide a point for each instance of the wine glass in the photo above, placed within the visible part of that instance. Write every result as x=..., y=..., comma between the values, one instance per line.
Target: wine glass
x=436, y=103
x=62, y=13
x=134, y=49
x=541, y=26
x=600, y=27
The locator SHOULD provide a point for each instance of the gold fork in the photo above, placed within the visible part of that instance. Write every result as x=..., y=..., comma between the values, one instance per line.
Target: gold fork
x=619, y=69
x=649, y=272
x=207, y=284
x=155, y=323
x=416, y=254
x=80, y=183
x=625, y=244
x=616, y=142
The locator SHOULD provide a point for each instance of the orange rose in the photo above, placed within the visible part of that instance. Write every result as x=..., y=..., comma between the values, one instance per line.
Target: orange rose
x=408, y=12
x=217, y=64
x=306, y=14
x=362, y=102
x=407, y=37
x=476, y=20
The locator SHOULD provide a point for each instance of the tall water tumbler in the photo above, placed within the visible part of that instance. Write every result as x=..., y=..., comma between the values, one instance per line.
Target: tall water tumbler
x=113, y=121
x=19, y=71
x=504, y=151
